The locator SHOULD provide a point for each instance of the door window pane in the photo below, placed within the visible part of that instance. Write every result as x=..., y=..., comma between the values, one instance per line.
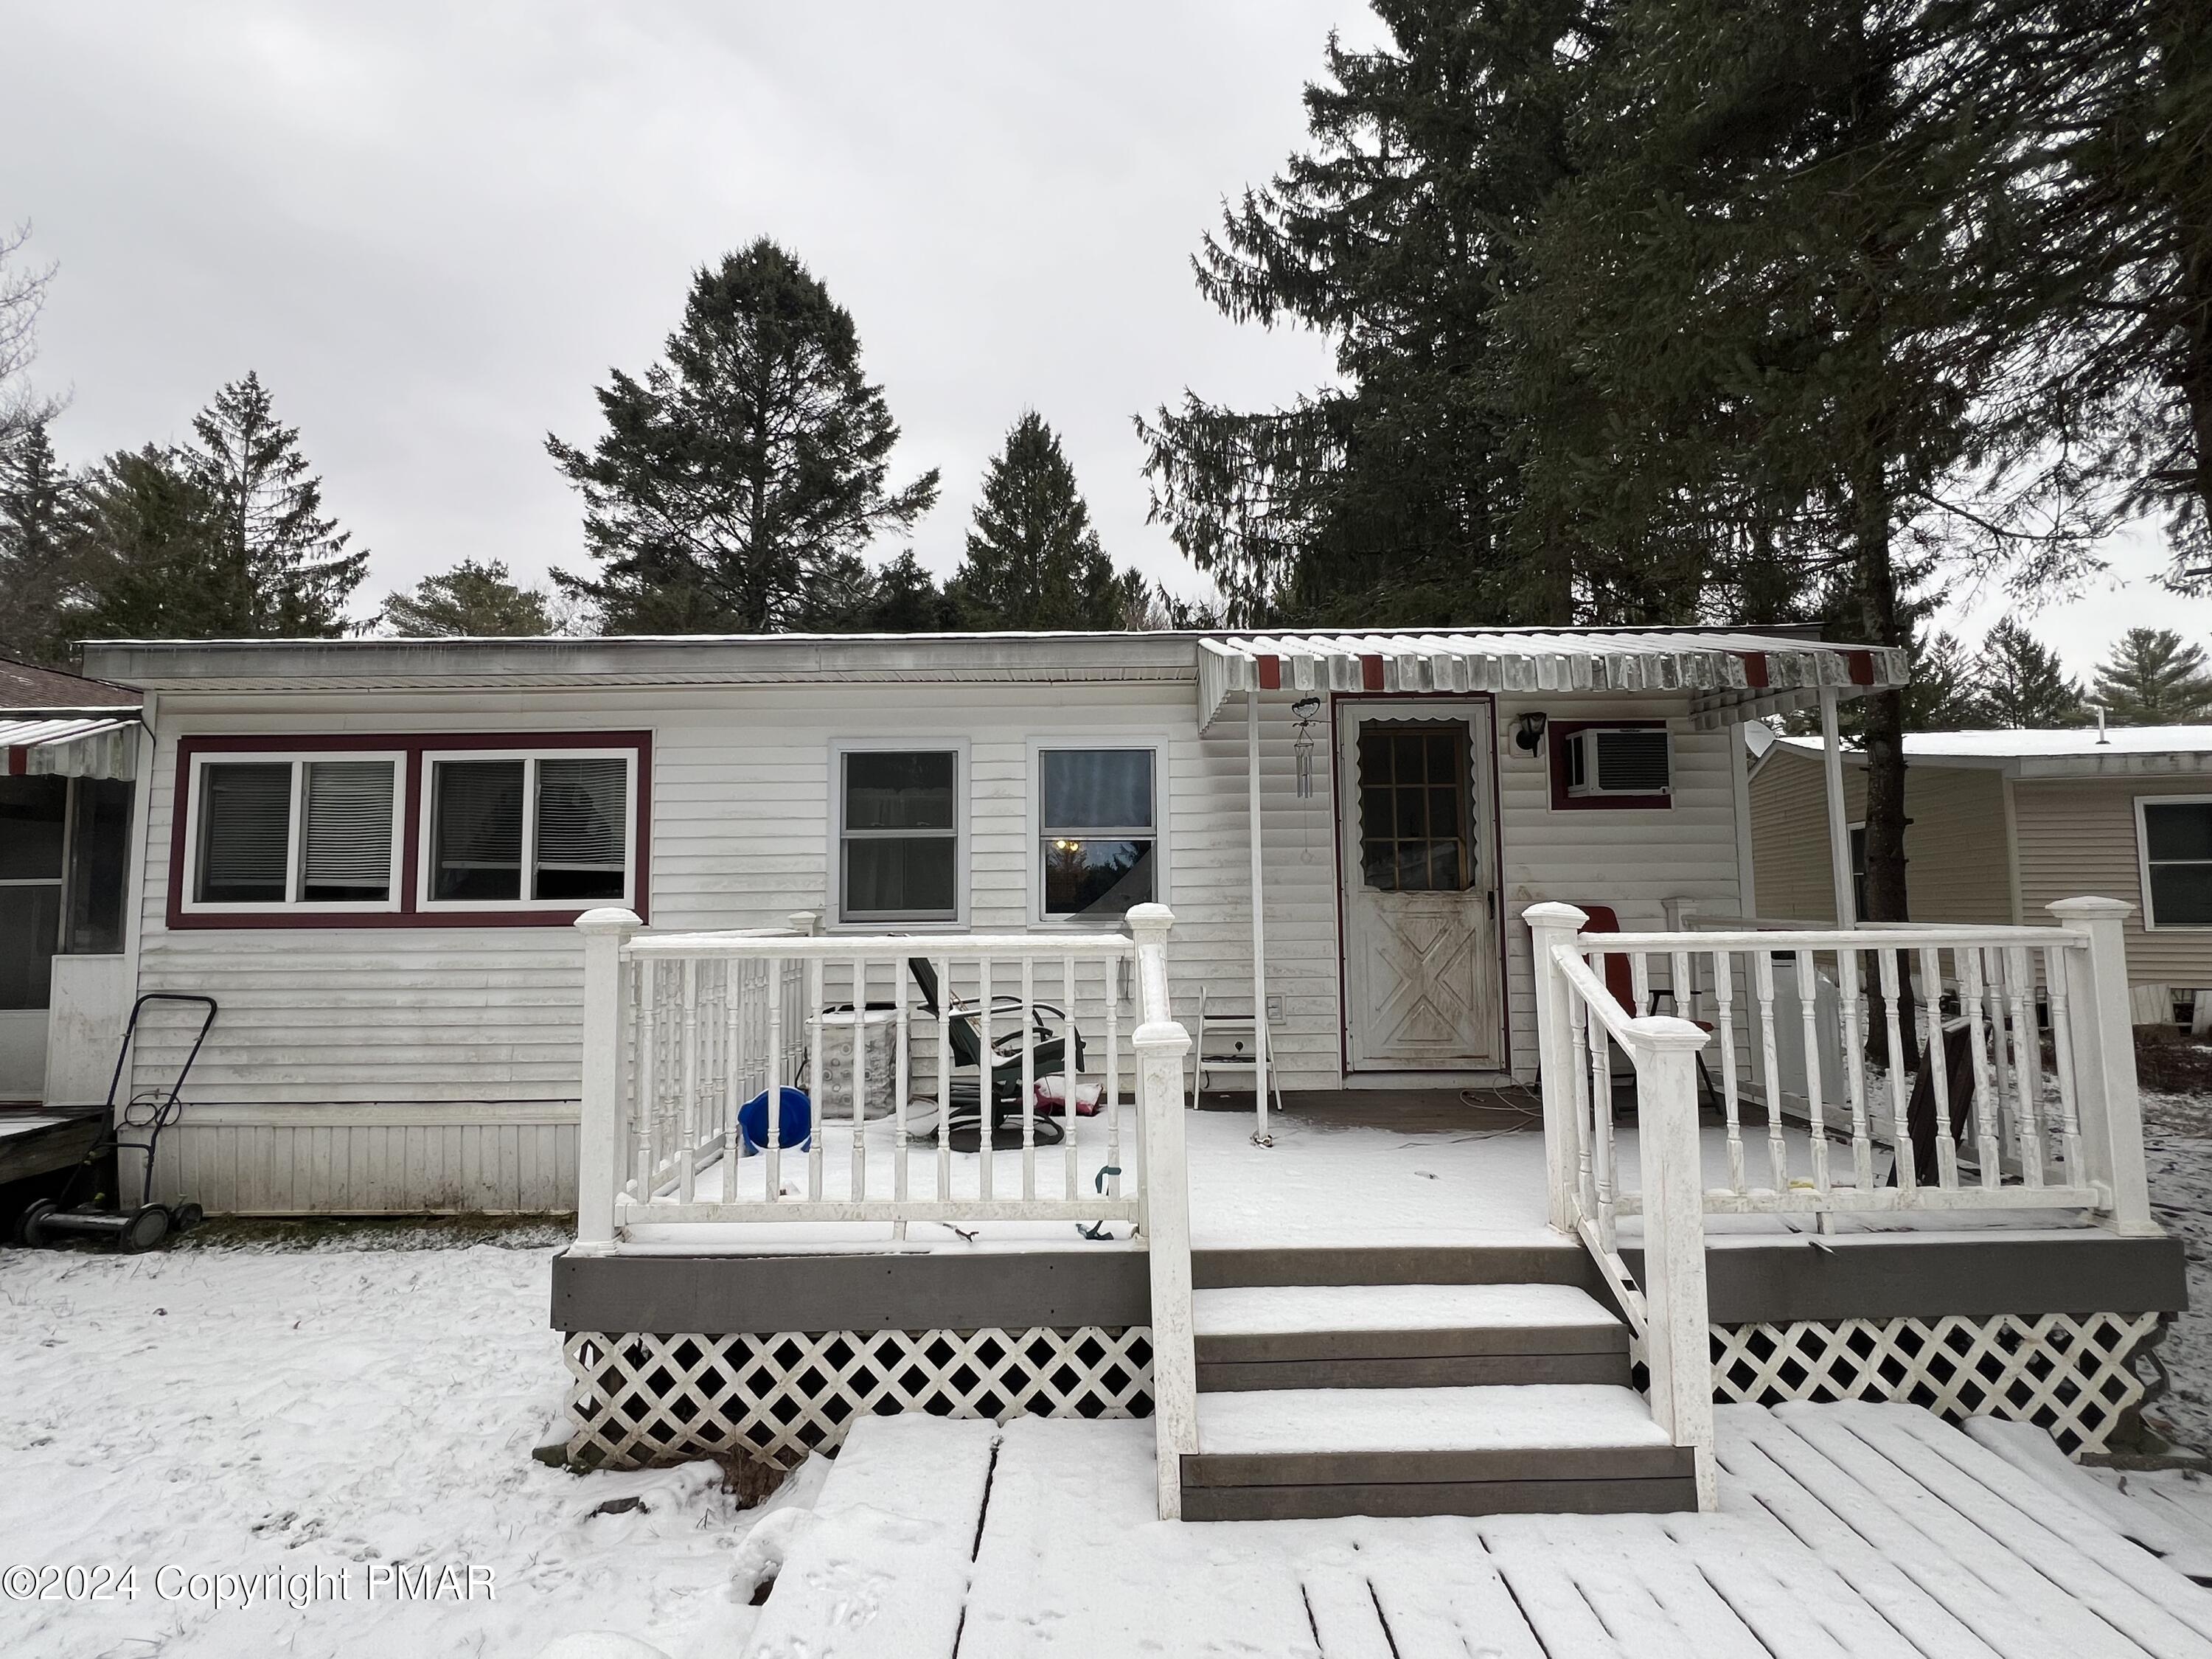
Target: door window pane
x=30, y=926
x=31, y=813
x=901, y=842
x=345, y=852
x=1415, y=807
x=477, y=829
x=99, y=861
x=246, y=832
x=582, y=829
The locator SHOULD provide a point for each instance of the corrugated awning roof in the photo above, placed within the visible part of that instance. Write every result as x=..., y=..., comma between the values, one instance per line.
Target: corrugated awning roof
x=69, y=746
x=1728, y=677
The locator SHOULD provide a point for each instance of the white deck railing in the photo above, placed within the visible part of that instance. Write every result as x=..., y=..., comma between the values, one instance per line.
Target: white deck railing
x=1808, y=1044
x=880, y=1035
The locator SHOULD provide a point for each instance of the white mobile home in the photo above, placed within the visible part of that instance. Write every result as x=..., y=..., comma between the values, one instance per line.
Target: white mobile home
x=831, y=980
x=370, y=852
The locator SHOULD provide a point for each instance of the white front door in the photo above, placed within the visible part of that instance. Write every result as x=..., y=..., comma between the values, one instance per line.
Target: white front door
x=1418, y=875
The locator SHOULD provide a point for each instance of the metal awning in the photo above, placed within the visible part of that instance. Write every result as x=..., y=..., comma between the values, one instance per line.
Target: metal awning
x=1730, y=676
x=58, y=745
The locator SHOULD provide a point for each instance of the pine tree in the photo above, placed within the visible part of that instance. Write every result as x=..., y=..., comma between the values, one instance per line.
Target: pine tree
x=738, y=472
x=903, y=600
x=1033, y=560
x=2152, y=678
x=472, y=599
x=2021, y=684
x=154, y=543
x=42, y=549
x=279, y=565
x=1386, y=497
x=1943, y=694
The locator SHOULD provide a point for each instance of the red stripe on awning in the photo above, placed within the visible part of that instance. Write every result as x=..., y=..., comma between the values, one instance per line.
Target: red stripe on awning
x=1370, y=673
x=1754, y=668
x=1271, y=672
x=1861, y=663
x=19, y=763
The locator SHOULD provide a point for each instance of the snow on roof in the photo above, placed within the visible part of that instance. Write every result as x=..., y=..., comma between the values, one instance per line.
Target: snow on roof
x=2068, y=750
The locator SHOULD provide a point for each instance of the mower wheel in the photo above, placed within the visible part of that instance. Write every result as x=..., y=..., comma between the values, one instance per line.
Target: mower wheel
x=183, y=1217
x=147, y=1229
x=28, y=1231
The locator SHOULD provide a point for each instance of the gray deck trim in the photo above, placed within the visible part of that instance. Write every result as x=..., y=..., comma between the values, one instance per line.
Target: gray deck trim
x=1597, y=1336
x=1465, y=1370
x=1536, y=1463
x=1788, y=1281
x=1314, y=1503
x=715, y=1295
x=2090, y=1272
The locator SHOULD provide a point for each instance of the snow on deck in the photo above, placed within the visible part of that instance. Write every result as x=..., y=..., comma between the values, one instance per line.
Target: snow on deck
x=1321, y=1184
x=1845, y=1529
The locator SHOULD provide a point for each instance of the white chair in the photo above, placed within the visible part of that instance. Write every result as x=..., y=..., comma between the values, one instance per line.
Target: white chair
x=1226, y=1044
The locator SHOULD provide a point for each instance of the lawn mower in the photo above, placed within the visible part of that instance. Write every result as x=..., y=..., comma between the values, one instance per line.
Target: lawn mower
x=147, y=1112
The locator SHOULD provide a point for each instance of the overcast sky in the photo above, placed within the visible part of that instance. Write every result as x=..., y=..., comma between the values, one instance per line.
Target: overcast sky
x=433, y=227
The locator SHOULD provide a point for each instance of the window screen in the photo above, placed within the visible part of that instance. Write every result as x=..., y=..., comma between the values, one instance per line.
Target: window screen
x=345, y=850
x=246, y=832
x=900, y=838
x=1414, y=808
x=33, y=812
x=1099, y=838
x=2178, y=852
x=99, y=862
x=477, y=829
x=583, y=837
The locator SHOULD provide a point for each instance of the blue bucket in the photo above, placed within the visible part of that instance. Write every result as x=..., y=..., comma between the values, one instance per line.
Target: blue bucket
x=794, y=1121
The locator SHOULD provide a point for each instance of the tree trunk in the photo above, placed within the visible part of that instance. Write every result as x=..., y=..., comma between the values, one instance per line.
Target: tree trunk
x=1882, y=723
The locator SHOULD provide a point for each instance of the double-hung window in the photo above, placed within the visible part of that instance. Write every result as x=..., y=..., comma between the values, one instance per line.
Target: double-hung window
x=2175, y=837
x=550, y=831
x=899, y=837
x=1097, y=824
x=307, y=831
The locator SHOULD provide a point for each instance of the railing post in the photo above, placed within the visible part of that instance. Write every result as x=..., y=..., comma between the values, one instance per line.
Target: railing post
x=1677, y=1338
x=2101, y=1023
x=598, y=1129
x=1160, y=1045
x=1549, y=925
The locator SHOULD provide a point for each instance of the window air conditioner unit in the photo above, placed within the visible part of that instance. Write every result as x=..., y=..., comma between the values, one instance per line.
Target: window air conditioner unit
x=1608, y=760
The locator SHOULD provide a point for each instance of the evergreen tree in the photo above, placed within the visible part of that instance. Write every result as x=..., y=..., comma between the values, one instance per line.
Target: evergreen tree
x=1033, y=560
x=1387, y=497
x=2021, y=682
x=904, y=600
x=1943, y=694
x=42, y=549
x=1777, y=303
x=472, y=600
x=2152, y=678
x=743, y=469
x=154, y=542
x=278, y=565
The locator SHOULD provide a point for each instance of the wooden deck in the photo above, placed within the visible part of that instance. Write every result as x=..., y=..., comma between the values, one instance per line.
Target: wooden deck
x=1846, y=1529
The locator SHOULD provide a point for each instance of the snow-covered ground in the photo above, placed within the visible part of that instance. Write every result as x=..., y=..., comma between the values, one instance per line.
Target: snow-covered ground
x=374, y=1402
x=332, y=1412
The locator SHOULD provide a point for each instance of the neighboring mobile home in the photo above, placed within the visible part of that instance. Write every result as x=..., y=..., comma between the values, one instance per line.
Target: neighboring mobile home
x=2002, y=822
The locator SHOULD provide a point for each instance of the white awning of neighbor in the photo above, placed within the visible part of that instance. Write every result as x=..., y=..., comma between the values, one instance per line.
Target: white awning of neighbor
x=1730, y=676
x=69, y=746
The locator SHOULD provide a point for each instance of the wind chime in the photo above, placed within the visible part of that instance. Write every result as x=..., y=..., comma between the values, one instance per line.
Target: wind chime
x=1302, y=746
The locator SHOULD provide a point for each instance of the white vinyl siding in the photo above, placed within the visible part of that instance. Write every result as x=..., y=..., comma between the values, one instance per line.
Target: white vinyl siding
x=346, y=1050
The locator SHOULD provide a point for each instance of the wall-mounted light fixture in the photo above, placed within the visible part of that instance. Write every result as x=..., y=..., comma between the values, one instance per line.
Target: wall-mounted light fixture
x=1529, y=732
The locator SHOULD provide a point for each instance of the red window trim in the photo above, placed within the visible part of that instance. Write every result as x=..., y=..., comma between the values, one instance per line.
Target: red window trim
x=1556, y=734
x=413, y=746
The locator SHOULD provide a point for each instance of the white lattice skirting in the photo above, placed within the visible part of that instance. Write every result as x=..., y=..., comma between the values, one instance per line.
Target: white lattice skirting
x=639, y=1399
x=2073, y=1375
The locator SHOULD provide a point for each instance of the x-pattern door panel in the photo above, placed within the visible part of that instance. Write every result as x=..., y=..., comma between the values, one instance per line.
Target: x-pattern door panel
x=1421, y=988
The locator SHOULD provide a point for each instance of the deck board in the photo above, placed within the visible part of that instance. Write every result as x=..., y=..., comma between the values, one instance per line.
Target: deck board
x=1846, y=1532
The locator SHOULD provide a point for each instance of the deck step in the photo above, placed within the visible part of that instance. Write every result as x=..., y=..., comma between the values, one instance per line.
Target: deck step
x=1399, y=1336
x=1561, y=1262
x=1304, y=1453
